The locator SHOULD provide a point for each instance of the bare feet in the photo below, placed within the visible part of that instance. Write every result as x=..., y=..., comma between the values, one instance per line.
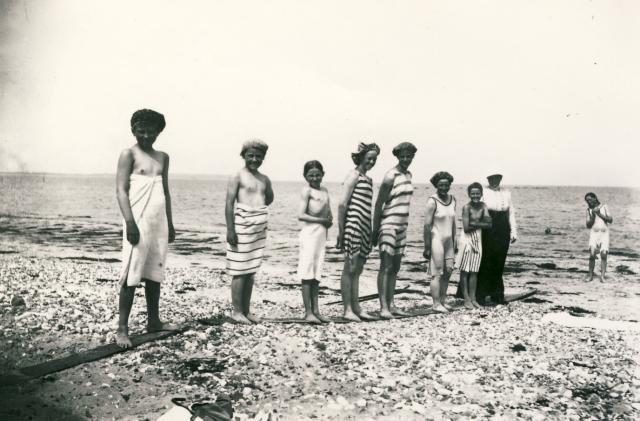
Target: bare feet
x=447, y=306
x=386, y=314
x=240, y=318
x=476, y=304
x=160, y=326
x=253, y=318
x=469, y=305
x=351, y=316
x=397, y=312
x=602, y=278
x=588, y=278
x=440, y=309
x=367, y=317
x=322, y=318
x=311, y=318
x=122, y=338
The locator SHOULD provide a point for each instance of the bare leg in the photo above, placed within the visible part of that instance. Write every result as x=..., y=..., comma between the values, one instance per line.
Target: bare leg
x=125, y=303
x=384, y=279
x=592, y=265
x=603, y=265
x=346, y=290
x=355, y=289
x=246, y=300
x=435, y=294
x=464, y=283
x=308, y=304
x=314, y=301
x=152, y=295
x=237, y=293
x=444, y=285
x=473, y=285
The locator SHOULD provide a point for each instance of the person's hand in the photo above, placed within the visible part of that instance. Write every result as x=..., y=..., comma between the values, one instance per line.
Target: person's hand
x=474, y=248
x=339, y=241
x=375, y=236
x=427, y=254
x=232, y=238
x=328, y=222
x=172, y=234
x=133, y=234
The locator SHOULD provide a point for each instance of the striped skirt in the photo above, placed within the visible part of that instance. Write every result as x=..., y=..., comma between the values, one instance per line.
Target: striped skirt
x=467, y=259
x=251, y=228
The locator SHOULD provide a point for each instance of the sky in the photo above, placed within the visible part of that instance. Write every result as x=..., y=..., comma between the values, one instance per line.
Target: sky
x=545, y=92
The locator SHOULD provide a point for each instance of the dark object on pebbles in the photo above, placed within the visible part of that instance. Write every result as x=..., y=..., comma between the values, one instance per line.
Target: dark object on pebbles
x=518, y=348
x=547, y=265
x=624, y=269
x=18, y=301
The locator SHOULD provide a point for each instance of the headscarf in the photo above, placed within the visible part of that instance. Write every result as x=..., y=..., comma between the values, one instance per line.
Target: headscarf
x=254, y=144
x=146, y=116
x=404, y=146
x=363, y=148
x=439, y=176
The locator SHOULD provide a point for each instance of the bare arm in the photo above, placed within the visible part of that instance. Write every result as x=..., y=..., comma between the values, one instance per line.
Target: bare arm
x=268, y=193
x=466, y=223
x=167, y=198
x=483, y=223
x=232, y=196
x=125, y=168
x=347, y=190
x=591, y=218
x=383, y=196
x=428, y=223
x=304, y=205
x=454, y=227
x=603, y=213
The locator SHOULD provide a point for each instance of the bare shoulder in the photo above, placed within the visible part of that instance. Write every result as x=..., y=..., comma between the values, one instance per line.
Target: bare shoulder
x=306, y=191
x=127, y=153
x=351, y=177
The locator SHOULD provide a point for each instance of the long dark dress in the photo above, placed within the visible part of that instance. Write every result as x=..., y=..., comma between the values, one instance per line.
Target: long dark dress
x=495, y=246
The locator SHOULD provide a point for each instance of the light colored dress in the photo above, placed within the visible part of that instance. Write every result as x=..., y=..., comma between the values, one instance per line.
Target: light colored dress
x=395, y=214
x=599, y=236
x=313, y=238
x=146, y=260
x=442, y=251
x=357, y=227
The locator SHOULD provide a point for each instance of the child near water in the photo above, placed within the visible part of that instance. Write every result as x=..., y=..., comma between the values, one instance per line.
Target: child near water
x=475, y=218
x=249, y=193
x=142, y=187
x=316, y=218
x=598, y=220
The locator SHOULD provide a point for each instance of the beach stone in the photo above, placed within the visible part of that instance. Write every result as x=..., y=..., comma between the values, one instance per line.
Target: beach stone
x=18, y=301
x=621, y=408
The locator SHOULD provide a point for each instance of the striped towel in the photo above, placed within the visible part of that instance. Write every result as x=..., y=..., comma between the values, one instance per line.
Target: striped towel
x=251, y=228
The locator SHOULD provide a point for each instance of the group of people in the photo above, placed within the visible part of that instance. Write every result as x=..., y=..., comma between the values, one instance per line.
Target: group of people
x=488, y=219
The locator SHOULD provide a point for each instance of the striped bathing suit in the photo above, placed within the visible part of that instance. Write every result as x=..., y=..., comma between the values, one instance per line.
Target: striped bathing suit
x=468, y=260
x=357, y=227
x=395, y=214
x=251, y=228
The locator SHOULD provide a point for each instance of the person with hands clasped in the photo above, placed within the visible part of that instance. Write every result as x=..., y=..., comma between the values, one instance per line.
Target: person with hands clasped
x=598, y=220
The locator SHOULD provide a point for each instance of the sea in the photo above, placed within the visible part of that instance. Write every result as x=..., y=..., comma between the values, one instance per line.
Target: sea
x=77, y=216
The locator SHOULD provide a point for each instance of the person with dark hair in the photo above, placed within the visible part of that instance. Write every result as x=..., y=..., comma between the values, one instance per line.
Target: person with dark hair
x=142, y=188
x=249, y=193
x=354, y=227
x=475, y=217
x=315, y=216
x=495, y=241
x=390, y=220
x=598, y=220
x=440, y=238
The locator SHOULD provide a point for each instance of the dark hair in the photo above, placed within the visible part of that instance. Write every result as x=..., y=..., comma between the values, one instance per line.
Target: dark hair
x=439, y=176
x=591, y=194
x=474, y=185
x=363, y=148
x=311, y=165
x=150, y=117
x=404, y=146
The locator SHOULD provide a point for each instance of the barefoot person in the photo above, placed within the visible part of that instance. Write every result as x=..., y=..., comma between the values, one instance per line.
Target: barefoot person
x=440, y=238
x=495, y=241
x=354, y=226
x=142, y=187
x=598, y=220
x=316, y=218
x=249, y=193
x=390, y=220
x=475, y=218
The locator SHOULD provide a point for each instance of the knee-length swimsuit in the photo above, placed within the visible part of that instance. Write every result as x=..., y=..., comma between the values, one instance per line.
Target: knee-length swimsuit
x=442, y=252
x=395, y=214
x=357, y=227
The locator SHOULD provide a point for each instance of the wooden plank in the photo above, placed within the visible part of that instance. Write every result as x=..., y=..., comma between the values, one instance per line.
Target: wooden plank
x=520, y=296
x=48, y=367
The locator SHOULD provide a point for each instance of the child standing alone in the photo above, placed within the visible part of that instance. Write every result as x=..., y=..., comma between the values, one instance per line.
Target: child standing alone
x=316, y=218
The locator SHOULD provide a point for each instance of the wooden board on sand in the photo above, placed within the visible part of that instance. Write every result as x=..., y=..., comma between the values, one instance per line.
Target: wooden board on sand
x=48, y=367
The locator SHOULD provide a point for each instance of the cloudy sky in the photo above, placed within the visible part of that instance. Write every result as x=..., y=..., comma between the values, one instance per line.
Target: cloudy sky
x=546, y=92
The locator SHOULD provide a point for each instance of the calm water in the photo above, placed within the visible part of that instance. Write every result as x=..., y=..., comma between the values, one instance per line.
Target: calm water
x=63, y=215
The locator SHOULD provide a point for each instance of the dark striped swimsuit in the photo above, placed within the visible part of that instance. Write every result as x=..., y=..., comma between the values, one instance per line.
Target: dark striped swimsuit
x=357, y=227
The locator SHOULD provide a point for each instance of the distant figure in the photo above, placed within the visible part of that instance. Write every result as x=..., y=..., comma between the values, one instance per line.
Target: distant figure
x=390, y=220
x=547, y=231
x=354, y=227
x=495, y=241
x=249, y=193
x=142, y=187
x=598, y=220
x=475, y=218
x=440, y=238
x=316, y=218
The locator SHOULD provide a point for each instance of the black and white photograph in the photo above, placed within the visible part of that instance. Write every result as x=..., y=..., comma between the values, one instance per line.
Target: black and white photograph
x=218, y=210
